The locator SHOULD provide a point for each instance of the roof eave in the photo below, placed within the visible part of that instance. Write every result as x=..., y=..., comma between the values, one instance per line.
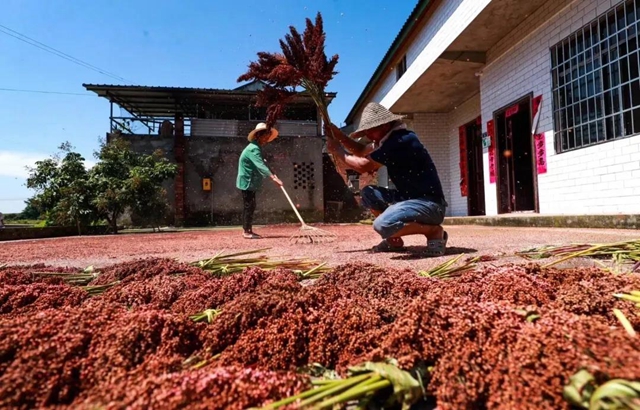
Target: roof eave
x=405, y=31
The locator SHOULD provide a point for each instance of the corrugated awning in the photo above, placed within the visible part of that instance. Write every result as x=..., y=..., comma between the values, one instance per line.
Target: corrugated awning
x=166, y=102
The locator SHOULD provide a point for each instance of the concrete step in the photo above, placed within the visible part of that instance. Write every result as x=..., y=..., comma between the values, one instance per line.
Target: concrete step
x=627, y=221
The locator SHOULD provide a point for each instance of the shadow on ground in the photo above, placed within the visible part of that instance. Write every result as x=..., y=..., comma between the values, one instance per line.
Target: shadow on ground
x=420, y=252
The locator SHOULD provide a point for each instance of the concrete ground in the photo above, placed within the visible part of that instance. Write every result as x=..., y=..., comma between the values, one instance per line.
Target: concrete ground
x=352, y=244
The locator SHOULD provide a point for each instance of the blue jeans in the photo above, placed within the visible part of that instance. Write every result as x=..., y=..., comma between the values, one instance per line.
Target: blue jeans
x=396, y=211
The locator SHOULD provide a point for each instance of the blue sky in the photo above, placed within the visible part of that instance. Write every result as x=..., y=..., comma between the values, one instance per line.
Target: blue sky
x=191, y=43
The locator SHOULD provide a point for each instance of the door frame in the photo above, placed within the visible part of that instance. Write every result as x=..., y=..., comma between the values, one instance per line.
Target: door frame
x=536, y=200
x=478, y=122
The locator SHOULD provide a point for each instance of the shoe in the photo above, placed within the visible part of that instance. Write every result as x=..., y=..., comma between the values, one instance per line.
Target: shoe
x=397, y=245
x=249, y=235
x=437, y=247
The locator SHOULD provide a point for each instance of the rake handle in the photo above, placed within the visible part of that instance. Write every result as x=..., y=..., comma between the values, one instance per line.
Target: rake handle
x=293, y=206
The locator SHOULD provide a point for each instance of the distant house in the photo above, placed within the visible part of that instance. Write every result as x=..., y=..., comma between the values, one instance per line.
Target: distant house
x=204, y=131
x=526, y=106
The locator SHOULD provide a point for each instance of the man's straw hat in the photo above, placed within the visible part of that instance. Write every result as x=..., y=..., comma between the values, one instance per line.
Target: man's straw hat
x=261, y=127
x=375, y=115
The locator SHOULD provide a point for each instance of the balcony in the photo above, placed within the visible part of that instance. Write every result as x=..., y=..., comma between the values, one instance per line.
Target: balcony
x=238, y=128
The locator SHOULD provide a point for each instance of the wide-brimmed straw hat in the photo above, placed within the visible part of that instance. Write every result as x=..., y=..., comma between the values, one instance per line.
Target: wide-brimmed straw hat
x=375, y=115
x=261, y=127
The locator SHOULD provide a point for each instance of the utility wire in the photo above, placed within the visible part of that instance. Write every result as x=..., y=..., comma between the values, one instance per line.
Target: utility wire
x=44, y=92
x=26, y=39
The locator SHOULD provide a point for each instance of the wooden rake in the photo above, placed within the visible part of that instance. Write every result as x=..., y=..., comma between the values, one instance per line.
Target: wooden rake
x=308, y=234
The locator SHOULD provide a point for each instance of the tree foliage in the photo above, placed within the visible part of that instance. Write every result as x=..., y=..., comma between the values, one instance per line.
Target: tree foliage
x=128, y=180
x=30, y=210
x=69, y=194
x=63, y=193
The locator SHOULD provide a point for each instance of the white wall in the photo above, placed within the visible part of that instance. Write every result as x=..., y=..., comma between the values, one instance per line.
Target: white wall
x=465, y=113
x=433, y=131
x=439, y=134
x=447, y=21
x=600, y=179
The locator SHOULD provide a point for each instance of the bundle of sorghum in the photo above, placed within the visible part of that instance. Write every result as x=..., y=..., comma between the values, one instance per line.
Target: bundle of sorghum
x=159, y=292
x=224, y=388
x=303, y=62
x=49, y=358
x=510, y=283
x=499, y=337
x=42, y=354
x=332, y=322
x=216, y=292
x=142, y=269
x=551, y=349
x=34, y=297
x=135, y=338
x=24, y=275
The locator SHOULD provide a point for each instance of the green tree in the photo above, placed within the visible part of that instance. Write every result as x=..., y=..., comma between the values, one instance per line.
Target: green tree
x=63, y=192
x=30, y=211
x=127, y=180
x=148, y=198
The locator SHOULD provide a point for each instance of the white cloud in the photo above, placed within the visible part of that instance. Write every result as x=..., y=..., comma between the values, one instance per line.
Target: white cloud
x=15, y=163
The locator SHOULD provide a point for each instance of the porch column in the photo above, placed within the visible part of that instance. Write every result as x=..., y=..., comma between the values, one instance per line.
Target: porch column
x=179, y=150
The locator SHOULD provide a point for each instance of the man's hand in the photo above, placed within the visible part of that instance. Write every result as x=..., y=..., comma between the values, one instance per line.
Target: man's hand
x=355, y=148
x=333, y=146
x=333, y=132
x=276, y=180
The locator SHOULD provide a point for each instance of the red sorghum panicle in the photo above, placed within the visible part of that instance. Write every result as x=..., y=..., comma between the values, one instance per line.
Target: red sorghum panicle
x=509, y=283
x=549, y=351
x=159, y=292
x=35, y=297
x=224, y=388
x=24, y=275
x=217, y=292
x=303, y=62
x=143, y=269
x=499, y=338
x=136, y=336
x=42, y=354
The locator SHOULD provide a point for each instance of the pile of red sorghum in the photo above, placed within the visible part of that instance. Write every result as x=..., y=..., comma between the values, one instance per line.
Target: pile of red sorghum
x=497, y=338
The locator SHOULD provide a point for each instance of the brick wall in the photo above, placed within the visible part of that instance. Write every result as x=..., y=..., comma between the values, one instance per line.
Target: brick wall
x=600, y=179
x=465, y=113
x=433, y=131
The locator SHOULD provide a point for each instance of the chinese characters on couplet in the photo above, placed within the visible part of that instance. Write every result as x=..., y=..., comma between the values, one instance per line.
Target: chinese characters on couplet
x=541, y=153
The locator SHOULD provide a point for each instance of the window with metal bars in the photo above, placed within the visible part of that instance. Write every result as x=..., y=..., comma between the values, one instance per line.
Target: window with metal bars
x=596, y=81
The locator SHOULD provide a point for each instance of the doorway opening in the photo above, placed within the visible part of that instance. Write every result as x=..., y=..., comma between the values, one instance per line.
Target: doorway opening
x=475, y=172
x=517, y=181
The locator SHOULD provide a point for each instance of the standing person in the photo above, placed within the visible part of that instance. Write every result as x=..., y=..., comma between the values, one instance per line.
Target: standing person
x=1, y=220
x=251, y=171
x=417, y=206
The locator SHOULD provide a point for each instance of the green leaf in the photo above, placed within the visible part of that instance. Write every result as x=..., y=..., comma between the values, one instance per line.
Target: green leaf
x=614, y=390
x=406, y=389
x=624, y=322
x=580, y=388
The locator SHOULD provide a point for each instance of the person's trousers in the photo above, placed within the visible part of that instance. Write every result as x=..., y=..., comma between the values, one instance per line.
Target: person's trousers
x=249, y=207
x=397, y=211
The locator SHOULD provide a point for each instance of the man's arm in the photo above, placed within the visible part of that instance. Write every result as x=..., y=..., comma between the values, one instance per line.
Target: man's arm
x=358, y=164
x=352, y=146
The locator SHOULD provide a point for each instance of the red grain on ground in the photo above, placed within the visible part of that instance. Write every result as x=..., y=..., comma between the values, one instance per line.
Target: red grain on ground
x=134, y=345
x=352, y=245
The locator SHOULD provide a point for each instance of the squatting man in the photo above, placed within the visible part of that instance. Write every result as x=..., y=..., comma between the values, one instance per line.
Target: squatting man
x=417, y=205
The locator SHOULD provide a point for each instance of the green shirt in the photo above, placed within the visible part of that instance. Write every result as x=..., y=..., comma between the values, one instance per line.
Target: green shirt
x=251, y=168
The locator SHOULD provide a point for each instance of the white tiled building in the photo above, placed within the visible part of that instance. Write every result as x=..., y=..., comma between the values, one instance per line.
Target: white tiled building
x=472, y=71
